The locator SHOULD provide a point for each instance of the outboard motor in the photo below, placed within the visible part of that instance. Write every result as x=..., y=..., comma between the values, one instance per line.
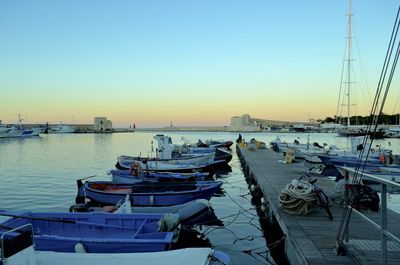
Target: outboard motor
x=79, y=208
x=80, y=196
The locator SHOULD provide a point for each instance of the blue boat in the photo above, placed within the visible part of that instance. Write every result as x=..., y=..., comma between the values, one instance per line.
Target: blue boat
x=146, y=193
x=132, y=176
x=18, y=248
x=97, y=232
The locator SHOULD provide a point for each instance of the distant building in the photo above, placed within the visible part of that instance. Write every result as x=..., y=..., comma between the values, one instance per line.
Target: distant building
x=101, y=124
x=244, y=123
x=248, y=124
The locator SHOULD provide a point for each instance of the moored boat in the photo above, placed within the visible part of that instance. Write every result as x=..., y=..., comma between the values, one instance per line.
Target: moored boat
x=190, y=213
x=349, y=160
x=214, y=143
x=97, y=232
x=20, y=248
x=146, y=193
x=168, y=165
x=138, y=175
x=62, y=128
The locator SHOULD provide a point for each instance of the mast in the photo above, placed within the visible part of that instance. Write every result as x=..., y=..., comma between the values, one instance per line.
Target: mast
x=19, y=121
x=349, y=40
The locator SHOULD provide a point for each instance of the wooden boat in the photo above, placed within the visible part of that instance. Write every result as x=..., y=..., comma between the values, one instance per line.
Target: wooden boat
x=20, y=250
x=190, y=213
x=146, y=193
x=169, y=165
x=182, y=158
x=137, y=175
x=97, y=232
x=167, y=150
x=214, y=143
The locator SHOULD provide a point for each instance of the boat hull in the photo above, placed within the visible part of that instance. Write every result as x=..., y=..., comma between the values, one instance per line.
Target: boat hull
x=125, y=176
x=193, y=256
x=97, y=232
x=184, y=164
x=146, y=193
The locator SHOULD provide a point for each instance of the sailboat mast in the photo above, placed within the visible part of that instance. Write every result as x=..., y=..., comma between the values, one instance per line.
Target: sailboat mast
x=349, y=40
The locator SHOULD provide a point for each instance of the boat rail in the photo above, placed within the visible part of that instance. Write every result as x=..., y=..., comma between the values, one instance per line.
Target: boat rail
x=17, y=229
x=384, y=233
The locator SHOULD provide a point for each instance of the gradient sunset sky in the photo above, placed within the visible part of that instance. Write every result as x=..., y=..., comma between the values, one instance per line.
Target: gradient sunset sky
x=190, y=62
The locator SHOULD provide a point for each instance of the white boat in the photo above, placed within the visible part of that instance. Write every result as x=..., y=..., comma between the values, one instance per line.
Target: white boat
x=188, y=213
x=15, y=131
x=183, y=164
x=29, y=256
x=393, y=132
x=62, y=128
x=37, y=130
x=18, y=130
x=306, y=151
x=161, y=162
x=170, y=157
x=4, y=130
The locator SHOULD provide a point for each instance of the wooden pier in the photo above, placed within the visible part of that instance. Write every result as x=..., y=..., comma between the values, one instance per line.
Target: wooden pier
x=311, y=239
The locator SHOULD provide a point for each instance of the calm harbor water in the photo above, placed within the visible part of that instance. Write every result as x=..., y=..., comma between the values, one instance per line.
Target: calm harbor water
x=40, y=174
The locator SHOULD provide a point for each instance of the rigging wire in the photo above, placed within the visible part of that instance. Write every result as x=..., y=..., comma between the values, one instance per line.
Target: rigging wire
x=363, y=73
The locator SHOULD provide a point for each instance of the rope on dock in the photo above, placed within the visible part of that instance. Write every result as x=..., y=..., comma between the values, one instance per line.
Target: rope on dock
x=298, y=197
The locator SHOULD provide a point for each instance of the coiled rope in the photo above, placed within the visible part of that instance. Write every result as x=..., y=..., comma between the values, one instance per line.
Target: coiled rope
x=298, y=197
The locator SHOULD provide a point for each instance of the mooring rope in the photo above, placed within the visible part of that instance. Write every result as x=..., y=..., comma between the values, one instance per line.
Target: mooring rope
x=298, y=197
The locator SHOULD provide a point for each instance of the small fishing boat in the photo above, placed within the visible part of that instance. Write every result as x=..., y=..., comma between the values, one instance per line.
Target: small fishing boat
x=350, y=157
x=166, y=149
x=97, y=232
x=146, y=193
x=167, y=165
x=214, y=143
x=62, y=128
x=180, y=158
x=20, y=249
x=136, y=174
x=301, y=151
x=350, y=160
x=16, y=130
x=190, y=213
x=200, y=161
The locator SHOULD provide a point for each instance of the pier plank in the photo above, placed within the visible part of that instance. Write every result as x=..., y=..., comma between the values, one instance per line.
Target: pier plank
x=311, y=239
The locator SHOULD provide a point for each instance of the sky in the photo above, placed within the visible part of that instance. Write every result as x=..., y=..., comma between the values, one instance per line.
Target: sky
x=189, y=62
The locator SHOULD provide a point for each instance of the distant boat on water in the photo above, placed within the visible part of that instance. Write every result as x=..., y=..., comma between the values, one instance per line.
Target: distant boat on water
x=62, y=128
x=355, y=132
x=17, y=130
x=393, y=132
